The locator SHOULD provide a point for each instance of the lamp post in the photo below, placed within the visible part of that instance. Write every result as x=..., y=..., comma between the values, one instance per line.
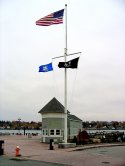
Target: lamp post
x=19, y=119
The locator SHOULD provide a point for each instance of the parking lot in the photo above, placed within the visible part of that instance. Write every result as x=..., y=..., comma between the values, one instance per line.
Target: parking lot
x=35, y=153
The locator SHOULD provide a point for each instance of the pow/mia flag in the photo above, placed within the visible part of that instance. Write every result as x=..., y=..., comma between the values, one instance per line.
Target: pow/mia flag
x=69, y=64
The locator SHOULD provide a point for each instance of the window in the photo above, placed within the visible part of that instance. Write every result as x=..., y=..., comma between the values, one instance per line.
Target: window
x=57, y=132
x=45, y=132
x=51, y=132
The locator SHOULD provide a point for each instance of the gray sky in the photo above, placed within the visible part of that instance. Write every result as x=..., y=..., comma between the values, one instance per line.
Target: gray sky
x=96, y=90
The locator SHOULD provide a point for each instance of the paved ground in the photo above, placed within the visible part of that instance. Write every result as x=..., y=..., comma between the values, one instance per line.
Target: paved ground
x=6, y=161
x=35, y=153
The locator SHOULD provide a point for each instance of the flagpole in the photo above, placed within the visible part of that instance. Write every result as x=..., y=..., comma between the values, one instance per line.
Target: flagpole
x=65, y=95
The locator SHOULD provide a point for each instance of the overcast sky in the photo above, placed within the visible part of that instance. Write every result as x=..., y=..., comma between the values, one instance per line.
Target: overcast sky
x=96, y=90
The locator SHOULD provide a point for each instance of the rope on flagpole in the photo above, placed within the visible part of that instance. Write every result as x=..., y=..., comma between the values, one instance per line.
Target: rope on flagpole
x=73, y=89
x=54, y=81
x=71, y=95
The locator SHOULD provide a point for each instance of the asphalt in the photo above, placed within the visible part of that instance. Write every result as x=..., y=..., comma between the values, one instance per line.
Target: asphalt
x=35, y=153
x=6, y=161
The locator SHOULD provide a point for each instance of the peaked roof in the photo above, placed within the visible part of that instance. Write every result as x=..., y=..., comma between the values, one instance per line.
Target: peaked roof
x=54, y=106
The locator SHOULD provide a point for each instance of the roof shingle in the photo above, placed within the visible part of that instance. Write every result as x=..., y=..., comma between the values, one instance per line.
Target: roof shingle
x=54, y=106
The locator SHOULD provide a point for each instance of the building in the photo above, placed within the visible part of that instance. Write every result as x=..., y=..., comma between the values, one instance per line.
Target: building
x=53, y=122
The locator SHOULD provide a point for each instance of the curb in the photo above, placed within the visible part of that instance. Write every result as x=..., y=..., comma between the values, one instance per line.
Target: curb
x=98, y=146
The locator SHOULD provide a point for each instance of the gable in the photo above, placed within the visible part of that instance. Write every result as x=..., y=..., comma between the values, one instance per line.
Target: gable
x=54, y=106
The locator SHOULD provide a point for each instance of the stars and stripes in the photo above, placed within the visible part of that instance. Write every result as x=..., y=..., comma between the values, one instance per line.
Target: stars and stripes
x=53, y=18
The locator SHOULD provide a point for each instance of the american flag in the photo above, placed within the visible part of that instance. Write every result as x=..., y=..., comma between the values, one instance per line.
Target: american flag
x=53, y=18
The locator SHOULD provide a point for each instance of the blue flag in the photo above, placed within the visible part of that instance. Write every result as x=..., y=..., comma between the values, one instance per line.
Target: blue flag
x=46, y=68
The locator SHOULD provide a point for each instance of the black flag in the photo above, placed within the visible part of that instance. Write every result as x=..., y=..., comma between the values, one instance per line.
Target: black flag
x=69, y=64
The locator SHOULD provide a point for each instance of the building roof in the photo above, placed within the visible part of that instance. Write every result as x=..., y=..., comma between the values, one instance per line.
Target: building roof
x=54, y=106
x=73, y=117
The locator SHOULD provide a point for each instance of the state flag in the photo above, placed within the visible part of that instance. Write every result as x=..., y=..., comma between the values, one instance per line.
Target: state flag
x=46, y=68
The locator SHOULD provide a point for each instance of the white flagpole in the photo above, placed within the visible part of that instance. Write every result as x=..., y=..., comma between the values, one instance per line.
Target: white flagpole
x=65, y=96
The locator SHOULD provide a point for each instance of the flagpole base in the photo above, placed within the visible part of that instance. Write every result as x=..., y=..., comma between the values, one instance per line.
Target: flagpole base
x=66, y=145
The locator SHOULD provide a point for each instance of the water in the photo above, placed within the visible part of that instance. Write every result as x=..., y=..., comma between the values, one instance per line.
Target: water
x=21, y=131
x=106, y=131
x=40, y=131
